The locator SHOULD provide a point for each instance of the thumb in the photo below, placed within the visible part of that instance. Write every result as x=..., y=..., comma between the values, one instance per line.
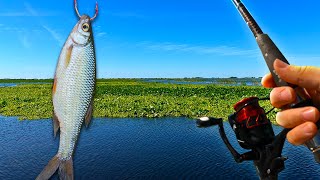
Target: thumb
x=304, y=76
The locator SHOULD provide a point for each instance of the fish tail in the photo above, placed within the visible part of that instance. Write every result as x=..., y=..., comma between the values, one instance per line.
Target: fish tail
x=65, y=169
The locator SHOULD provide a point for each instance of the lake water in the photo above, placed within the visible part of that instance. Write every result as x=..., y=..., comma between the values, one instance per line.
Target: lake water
x=167, y=148
x=7, y=84
x=20, y=83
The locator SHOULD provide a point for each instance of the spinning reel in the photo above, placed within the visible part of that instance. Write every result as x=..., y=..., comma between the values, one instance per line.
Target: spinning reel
x=250, y=123
x=254, y=132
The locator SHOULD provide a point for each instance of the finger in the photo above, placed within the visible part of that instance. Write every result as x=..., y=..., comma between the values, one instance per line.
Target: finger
x=267, y=81
x=304, y=76
x=281, y=96
x=293, y=117
x=315, y=96
x=302, y=133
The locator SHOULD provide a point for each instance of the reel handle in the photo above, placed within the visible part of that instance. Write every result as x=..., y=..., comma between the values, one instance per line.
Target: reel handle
x=205, y=122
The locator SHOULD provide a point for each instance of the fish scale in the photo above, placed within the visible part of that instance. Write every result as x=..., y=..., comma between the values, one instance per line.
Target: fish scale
x=72, y=95
x=77, y=93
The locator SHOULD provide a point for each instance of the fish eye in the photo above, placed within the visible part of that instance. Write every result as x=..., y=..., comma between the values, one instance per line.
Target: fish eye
x=85, y=27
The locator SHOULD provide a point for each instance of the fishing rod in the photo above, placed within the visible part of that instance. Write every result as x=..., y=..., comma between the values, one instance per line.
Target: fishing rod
x=249, y=122
x=270, y=53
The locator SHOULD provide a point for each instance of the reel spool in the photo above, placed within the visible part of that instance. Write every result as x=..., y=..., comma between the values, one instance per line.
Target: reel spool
x=250, y=124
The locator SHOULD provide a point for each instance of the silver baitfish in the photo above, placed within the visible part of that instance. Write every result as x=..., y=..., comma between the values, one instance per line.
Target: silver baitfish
x=72, y=94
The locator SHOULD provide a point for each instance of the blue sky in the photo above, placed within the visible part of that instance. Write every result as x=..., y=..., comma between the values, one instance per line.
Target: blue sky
x=158, y=38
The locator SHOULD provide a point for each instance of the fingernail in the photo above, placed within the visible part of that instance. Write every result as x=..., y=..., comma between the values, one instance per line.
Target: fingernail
x=280, y=64
x=308, y=115
x=285, y=95
x=279, y=119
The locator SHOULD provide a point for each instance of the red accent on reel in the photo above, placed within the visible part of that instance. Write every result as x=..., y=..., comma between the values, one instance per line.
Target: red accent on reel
x=250, y=113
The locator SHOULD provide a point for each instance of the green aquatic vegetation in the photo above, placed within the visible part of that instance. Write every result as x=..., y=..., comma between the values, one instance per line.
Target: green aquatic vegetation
x=26, y=101
x=134, y=98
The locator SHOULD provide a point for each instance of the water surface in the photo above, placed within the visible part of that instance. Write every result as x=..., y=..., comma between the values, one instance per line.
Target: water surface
x=167, y=148
x=7, y=84
x=20, y=83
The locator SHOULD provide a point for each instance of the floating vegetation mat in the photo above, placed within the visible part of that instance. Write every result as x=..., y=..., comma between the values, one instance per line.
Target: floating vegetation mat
x=135, y=98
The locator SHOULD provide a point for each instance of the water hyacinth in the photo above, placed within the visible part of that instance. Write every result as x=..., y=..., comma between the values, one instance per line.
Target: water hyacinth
x=135, y=98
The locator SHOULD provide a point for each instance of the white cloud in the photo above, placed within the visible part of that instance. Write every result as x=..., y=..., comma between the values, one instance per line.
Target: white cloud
x=25, y=41
x=54, y=34
x=101, y=34
x=218, y=50
x=13, y=14
x=128, y=15
x=25, y=14
x=28, y=12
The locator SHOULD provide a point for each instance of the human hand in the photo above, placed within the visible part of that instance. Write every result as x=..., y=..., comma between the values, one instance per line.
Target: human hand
x=303, y=119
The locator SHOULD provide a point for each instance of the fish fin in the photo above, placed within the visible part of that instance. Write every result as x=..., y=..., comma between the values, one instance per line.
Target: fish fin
x=68, y=55
x=88, y=117
x=50, y=169
x=56, y=124
x=54, y=87
x=66, y=170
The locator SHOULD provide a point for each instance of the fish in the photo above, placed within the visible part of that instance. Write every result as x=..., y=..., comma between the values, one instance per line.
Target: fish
x=72, y=95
